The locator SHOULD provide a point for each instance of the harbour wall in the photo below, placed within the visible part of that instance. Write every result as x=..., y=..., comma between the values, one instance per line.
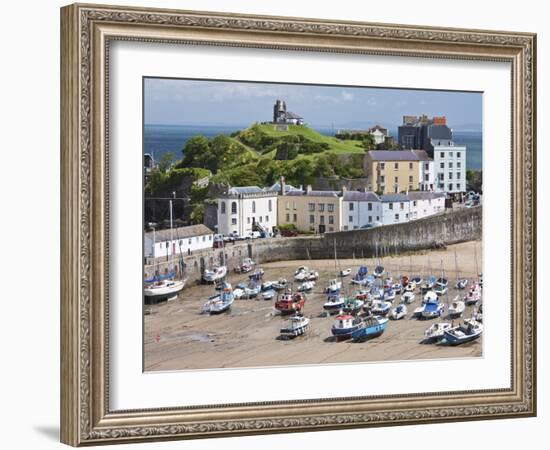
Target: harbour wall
x=437, y=231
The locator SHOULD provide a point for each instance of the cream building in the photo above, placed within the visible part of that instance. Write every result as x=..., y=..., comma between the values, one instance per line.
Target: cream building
x=392, y=171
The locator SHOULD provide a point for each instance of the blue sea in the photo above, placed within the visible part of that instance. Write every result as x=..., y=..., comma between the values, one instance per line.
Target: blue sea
x=160, y=139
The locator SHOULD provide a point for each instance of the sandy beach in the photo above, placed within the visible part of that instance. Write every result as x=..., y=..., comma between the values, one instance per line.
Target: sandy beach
x=177, y=336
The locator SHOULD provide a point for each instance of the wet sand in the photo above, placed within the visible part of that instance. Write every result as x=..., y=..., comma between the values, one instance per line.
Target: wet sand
x=177, y=336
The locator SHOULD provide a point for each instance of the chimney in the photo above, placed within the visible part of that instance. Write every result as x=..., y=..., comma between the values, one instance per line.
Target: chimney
x=283, y=185
x=344, y=190
x=308, y=188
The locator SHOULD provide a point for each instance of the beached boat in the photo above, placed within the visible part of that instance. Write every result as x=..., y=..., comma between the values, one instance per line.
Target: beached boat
x=269, y=294
x=461, y=283
x=388, y=283
x=397, y=288
x=440, y=289
x=281, y=284
x=246, y=266
x=371, y=327
x=378, y=271
x=333, y=286
x=334, y=303
x=389, y=295
x=214, y=274
x=410, y=287
x=362, y=294
x=238, y=293
x=267, y=285
x=257, y=275
x=312, y=275
x=432, y=310
x=430, y=282
x=417, y=280
x=301, y=269
x=407, y=297
x=360, y=276
x=252, y=290
x=456, y=308
x=380, y=308
x=344, y=325
x=162, y=290
x=222, y=286
x=399, y=312
x=345, y=272
x=353, y=305
x=306, y=286
x=477, y=314
x=429, y=299
x=219, y=304
x=404, y=280
x=474, y=294
x=466, y=332
x=297, y=325
x=290, y=302
x=436, y=331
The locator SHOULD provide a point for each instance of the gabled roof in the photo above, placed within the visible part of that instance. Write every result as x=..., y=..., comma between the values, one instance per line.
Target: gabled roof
x=358, y=196
x=393, y=155
x=180, y=233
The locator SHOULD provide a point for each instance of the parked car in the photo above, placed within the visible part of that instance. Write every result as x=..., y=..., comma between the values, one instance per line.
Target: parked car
x=289, y=233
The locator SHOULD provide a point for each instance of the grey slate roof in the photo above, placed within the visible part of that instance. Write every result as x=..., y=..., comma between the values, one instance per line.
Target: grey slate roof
x=291, y=115
x=422, y=155
x=313, y=193
x=357, y=196
x=180, y=233
x=390, y=198
x=393, y=155
x=425, y=195
x=277, y=188
x=245, y=190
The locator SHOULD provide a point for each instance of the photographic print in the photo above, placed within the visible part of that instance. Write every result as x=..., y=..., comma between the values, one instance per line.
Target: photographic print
x=292, y=224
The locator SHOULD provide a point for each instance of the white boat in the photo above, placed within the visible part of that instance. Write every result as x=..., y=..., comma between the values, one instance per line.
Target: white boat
x=306, y=286
x=220, y=303
x=378, y=271
x=456, y=308
x=238, y=293
x=399, y=312
x=397, y=288
x=297, y=325
x=411, y=286
x=301, y=269
x=301, y=276
x=461, y=283
x=407, y=297
x=333, y=286
x=440, y=289
x=474, y=295
x=437, y=330
x=280, y=284
x=252, y=290
x=345, y=272
x=380, y=308
x=163, y=290
x=312, y=275
x=215, y=274
x=334, y=303
x=431, y=306
x=466, y=332
x=477, y=314
x=269, y=294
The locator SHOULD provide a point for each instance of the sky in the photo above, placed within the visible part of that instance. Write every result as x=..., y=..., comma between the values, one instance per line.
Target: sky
x=199, y=102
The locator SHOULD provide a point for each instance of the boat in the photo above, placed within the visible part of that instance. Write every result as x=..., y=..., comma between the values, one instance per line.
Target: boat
x=442, y=281
x=440, y=289
x=432, y=310
x=238, y=293
x=410, y=287
x=280, y=284
x=456, y=308
x=436, y=331
x=333, y=286
x=474, y=295
x=344, y=325
x=345, y=272
x=399, y=312
x=219, y=304
x=378, y=271
x=312, y=275
x=306, y=286
x=222, y=286
x=380, y=308
x=246, y=266
x=268, y=285
x=301, y=269
x=362, y=294
x=417, y=280
x=407, y=297
x=388, y=283
x=252, y=290
x=397, y=288
x=404, y=280
x=389, y=295
x=297, y=325
x=360, y=276
x=461, y=283
x=257, y=275
x=430, y=282
x=477, y=314
x=269, y=294
x=290, y=302
x=162, y=290
x=371, y=327
x=214, y=274
x=466, y=332
x=334, y=302
x=353, y=305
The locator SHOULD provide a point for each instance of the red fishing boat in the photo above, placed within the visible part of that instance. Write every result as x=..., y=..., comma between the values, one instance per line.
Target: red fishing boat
x=290, y=302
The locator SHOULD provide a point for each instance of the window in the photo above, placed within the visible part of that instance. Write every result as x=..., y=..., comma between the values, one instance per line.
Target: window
x=442, y=165
x=414, y=202
x=458, y=175
x=369, y=206
x=458, y=186
x=382, y=178
x=312, y=219
x=288, y=217
x=410, y=179
x=410, y=187
x=378, y=218
x=322, y=220
x=370, y=219
x=253, y=206
x=294, y=205
x=350, y=219
x=330, y=228
x=189, y=241
x=450, y=186
x=234, y=221
x=440, y=176
x=402, y=206
x=397, y=179
x=458, y=154
x=311, y=206
x=210, y=237
x=248, y=220
x=222, y=207
x=233, y=207
x=396, y=166
x=331, y=220
x=166, y=245
x=410, y=166
x=390, y=205
x=321, y=207
x=427, y=166
x=204, y=239
x=351, y=206
x=269, y=205
x=450, y=154
x=294, y=218
x=458, y=165
x=345, y=227
x=267, y=218
x=450, y=175
x=331, y=207
x=442, y=155
x=450, y=165
x=260, y=219
x=426, y=177
x=382, y=165
x=287, y=205
x=397, y=217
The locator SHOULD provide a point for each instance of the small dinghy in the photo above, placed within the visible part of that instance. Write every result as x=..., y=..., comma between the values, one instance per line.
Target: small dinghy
x=345, y=272
x=371, y=327
x=456, y=308
x=389, y=295
x=344, y=325
x=440, y=289
x=404, y=280
x=333, y=286
x=290, y=302
x=411, y=286
x=436, y=331
x=252, y=290
x=280, y=285
x=474, y=295
x=430, y=282
x=219, y=304
x=257, y=275
x=399, y=312
x=461, y=283
x=377, y=293
x=407, y=297
x=378, y=271
x=353, y=305
x=246, y=266
x=334, y=303
x=306, y=286
x=360, y=276
x=397, y=288
x=268, y=285
x=238, y=293
x=466, y=332
x=301, y=269
x=312, y=275
x=417, y=280
x=215, y=274
x=269, y=294
x=362, y=295
x=432, y=310
x=297, y=325
x=301, y=275
x=380, y=308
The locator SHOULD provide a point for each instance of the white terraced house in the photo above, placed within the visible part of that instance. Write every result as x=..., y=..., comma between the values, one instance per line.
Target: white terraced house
x=359, y=209
x=395, y=208
x=424, y=204
x=449, y=166
x=182, y=240
x=242, y=210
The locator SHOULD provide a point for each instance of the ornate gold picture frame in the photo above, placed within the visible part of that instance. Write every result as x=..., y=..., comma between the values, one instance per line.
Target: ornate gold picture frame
x=87, y=31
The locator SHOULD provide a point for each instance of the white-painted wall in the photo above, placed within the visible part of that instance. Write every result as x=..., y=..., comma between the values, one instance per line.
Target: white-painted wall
x=356, y=214
x=390, y=209
x=177, y=246
x=426, y=176
x=426, y=207
x=262, y=209
x=452, y=176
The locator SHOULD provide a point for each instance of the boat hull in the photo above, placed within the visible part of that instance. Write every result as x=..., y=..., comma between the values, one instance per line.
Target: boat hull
x=368, y=332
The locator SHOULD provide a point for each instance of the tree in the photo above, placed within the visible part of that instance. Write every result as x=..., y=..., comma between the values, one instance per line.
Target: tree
x=166, y=161
x=368, y=142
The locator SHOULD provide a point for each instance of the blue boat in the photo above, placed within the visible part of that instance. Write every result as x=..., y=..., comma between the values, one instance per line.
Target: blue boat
x=460, y=334
x=360, y=276
x=370, y=328
x=345, y=325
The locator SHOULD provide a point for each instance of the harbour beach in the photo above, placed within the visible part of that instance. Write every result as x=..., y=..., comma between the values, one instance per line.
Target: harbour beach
x=177, y=336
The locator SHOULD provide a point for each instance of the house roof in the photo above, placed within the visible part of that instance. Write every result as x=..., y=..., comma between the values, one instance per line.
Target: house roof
x=291, y=115
x=380, y=128
x=422, y=155
x=180, y=233
x=245, y=190
x=298, y=192
x=393, y=155
x=358, y=196
x=425, y=195
x=390, y=198
x=276, y=187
